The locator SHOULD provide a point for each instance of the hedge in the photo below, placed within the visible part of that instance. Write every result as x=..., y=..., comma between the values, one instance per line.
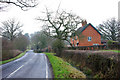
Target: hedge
x=98, y=64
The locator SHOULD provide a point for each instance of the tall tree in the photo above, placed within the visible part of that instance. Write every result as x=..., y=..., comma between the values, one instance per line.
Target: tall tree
x=23, y=4
x=11, y=28
x=27, y=36
x=60, y=25
x=109, y=29
x=40, y=41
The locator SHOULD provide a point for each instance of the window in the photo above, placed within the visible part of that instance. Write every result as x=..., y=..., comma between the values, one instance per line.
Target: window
x=77, y=43
x=95, y=44
x=89, y=38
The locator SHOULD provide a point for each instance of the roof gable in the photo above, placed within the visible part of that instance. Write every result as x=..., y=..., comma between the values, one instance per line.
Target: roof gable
x=81, y=29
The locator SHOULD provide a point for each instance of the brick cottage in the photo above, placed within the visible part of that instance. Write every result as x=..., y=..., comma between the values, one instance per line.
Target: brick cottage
x=88, y=36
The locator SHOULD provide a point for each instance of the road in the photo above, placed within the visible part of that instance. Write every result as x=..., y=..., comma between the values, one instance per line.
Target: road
x=31, y=65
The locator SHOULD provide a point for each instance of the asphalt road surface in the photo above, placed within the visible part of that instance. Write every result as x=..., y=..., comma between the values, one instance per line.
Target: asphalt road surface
x=31, y=65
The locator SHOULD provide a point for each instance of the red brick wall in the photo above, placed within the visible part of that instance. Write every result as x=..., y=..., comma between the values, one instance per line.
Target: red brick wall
x=89, y=32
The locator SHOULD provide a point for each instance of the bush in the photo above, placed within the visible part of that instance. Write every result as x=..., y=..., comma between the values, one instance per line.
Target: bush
x=8, y=49
x=8, y=54
x=113, y=44
x=99, y=64
x=87, y=71
x=58, y=46
x=38, y=51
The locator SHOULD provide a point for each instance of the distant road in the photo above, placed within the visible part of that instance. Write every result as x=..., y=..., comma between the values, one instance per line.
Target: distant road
x=32, y=65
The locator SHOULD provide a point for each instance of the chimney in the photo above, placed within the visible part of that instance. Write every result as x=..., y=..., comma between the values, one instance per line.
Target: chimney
x=84, y=22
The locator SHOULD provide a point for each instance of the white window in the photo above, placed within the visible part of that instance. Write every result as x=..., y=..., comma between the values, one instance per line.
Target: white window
x=95, y=44
x=89, y=38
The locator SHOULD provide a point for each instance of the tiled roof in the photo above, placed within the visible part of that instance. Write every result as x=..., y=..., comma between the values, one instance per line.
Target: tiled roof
x=81, y=29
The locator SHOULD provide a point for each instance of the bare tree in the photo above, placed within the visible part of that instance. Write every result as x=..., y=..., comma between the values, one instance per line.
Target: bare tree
x=23, y=4
x=60, y=25
x=11, y=28
x=109, y=29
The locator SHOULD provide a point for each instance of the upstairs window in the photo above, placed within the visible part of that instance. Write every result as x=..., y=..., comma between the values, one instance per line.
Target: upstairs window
x=89, y=38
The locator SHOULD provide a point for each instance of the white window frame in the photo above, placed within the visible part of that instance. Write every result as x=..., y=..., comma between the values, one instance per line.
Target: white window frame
x=89, y=38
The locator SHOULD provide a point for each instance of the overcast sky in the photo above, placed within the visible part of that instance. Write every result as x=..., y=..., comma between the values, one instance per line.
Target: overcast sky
x=94, y=11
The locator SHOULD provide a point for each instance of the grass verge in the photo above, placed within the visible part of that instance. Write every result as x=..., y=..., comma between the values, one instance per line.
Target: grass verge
x=118, y=51
x=9, y=60
x=62, y=69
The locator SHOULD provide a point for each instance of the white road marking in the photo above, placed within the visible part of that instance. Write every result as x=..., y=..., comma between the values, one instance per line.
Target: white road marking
x=26, y=63
x=15, y=71
x=18, y=69
x=46, y=68
x=1, y=66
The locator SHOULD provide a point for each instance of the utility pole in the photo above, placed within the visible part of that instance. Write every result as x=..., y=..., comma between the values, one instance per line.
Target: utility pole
x=119, y=10
x=119, y=21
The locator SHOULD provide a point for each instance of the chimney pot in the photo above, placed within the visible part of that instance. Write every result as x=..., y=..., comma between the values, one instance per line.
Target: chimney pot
x=84, y=22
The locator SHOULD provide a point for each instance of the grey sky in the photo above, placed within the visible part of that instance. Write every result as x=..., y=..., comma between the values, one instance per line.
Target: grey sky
x=94, y=11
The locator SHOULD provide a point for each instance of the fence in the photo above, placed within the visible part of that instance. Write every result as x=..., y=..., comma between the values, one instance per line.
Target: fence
x=96, y=47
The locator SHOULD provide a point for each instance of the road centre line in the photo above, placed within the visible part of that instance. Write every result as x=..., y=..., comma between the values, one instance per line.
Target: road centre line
x=18, y=69
x=15, y=71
